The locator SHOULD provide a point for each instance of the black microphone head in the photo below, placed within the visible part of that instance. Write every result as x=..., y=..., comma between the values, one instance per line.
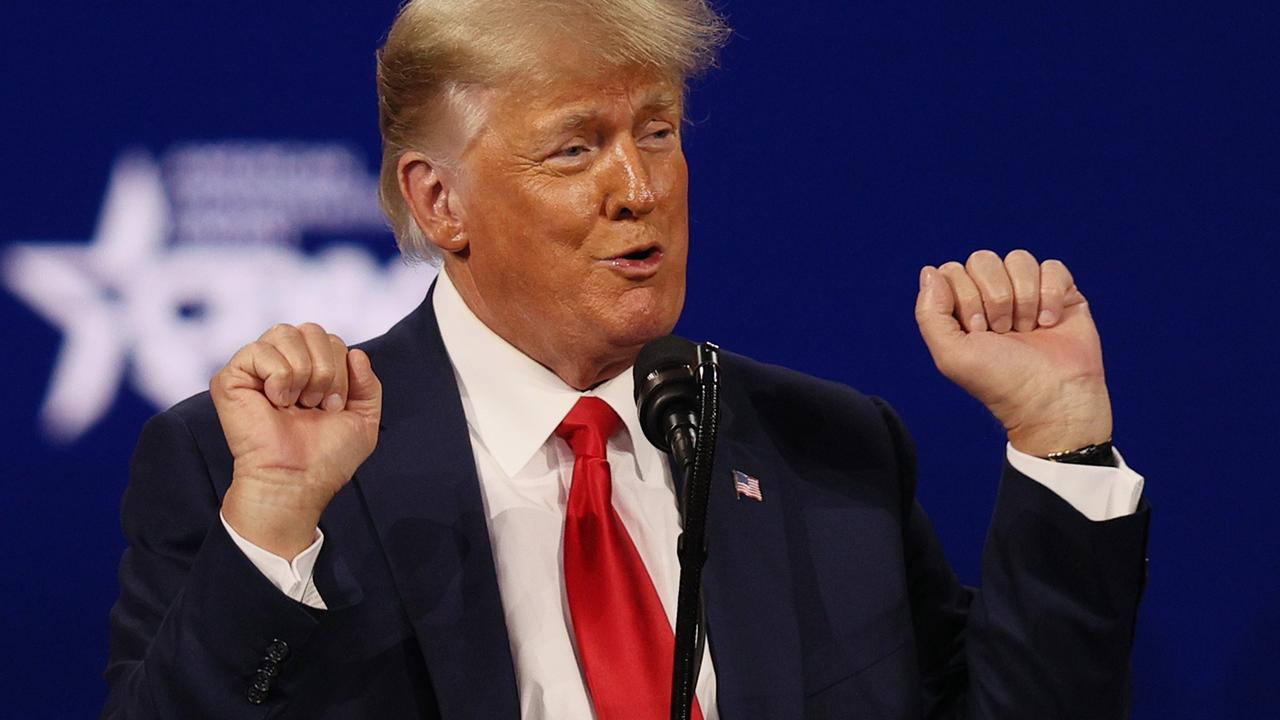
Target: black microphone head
x=665, y=352
x=665, y=386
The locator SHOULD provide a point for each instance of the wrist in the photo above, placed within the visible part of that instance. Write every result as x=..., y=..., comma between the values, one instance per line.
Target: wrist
x=1077, y=421
x=1048, y=440
x=278, y=517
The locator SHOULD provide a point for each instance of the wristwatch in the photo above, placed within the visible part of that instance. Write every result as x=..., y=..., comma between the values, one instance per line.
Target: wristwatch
x=1100, y=454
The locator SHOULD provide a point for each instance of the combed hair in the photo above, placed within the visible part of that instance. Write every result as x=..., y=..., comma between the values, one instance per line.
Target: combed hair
x=438, y=51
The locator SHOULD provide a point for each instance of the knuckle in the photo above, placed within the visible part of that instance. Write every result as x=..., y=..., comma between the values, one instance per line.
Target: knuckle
x=984, y=255
x=299, y=366
x=311, y=328
x=1055, y=267
x=1052, y=290
x=322, y=358
x=1023, y=282
x=999, y=297
x=256, y=349
x=322, y=371
x=1019, y=256
x=221, y=380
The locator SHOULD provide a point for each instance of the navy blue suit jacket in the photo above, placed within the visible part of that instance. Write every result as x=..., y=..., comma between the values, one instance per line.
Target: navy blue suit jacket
x=829, y=599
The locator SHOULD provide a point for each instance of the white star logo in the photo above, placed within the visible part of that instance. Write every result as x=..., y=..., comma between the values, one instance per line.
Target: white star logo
x=173, y=313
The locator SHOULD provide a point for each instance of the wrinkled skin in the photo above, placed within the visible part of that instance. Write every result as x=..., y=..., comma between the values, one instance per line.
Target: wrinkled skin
x=561, y=184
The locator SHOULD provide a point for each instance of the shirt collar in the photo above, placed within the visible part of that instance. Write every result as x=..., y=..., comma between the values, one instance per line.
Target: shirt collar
x=512, y=403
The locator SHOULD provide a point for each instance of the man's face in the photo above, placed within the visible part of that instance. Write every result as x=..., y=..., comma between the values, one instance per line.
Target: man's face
x=573, y=201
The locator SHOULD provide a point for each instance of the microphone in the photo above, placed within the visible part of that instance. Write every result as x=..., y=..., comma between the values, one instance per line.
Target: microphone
x=680, y=414
x=666, y=393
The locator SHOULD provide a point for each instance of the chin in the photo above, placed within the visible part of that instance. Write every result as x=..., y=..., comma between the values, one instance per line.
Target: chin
x=643, y=315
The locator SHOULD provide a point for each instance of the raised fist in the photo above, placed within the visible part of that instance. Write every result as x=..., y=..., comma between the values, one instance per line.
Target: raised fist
x=1017, y=335
x=300, y=413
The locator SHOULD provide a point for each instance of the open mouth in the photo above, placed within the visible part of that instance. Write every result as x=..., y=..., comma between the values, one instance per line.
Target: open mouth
x=641, y=263
x=640, y=255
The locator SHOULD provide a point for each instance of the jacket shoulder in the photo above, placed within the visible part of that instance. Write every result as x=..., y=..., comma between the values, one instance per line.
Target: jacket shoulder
x=192, y=424
x=820, y=425
x=789, y=393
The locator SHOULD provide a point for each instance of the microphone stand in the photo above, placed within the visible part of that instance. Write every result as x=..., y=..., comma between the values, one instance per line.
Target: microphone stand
x=692, y=545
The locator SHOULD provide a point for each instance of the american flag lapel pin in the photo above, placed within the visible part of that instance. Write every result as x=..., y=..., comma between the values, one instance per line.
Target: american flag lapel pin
x=744, y=484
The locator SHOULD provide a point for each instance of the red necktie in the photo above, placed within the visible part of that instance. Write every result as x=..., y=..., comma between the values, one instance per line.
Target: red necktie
x=625, y=643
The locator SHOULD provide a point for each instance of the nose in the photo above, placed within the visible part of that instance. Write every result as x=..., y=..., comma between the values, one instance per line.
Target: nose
x=630, y=192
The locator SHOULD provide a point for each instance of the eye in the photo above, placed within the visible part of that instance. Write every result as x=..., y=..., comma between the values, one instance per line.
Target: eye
x=571, y=156
x=660, y=135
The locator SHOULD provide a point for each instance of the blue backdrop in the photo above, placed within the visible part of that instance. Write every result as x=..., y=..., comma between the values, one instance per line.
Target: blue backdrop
x=176, y=176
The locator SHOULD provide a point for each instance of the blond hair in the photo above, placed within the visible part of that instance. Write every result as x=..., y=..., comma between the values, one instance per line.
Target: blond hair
x=438, y=51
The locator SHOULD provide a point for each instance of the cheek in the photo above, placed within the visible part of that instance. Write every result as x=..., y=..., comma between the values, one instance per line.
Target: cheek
x=529, y=231
x=671, y=176
x=549, y=215
x=549, y=237
x=567, y=213
x=671, y=186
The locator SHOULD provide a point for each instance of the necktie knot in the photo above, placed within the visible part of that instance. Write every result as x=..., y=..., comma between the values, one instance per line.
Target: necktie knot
x=588, y=426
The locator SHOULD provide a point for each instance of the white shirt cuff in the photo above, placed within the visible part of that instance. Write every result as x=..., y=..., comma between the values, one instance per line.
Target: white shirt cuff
x=292, y=578
x=1099, y=493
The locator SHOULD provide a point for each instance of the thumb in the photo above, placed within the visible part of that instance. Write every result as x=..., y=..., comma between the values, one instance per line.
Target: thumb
x=934, y=307
x=364, y=394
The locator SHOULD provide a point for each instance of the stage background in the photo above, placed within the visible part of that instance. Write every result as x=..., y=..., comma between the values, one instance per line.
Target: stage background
x=177, y=176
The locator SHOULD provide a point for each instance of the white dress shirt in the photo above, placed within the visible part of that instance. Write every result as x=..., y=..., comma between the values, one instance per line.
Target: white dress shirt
x=513, y=406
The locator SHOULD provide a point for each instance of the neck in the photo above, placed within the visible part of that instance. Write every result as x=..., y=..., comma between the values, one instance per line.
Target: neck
x=575, y=360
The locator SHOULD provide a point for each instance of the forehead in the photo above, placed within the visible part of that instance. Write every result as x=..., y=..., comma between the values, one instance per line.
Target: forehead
x=560, y=96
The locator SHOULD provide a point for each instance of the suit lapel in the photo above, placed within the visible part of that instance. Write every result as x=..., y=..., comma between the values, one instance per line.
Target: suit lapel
x=751, y=614
x=421, y=488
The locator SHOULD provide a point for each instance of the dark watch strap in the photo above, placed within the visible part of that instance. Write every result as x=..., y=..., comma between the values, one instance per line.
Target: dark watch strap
x=1101, y=455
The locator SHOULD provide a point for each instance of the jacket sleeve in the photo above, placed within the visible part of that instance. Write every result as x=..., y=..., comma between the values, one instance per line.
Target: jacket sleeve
x=1051, y=631
x=196, y=626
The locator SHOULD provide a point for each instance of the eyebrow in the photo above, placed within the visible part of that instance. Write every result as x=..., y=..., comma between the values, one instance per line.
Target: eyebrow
x=657, y=99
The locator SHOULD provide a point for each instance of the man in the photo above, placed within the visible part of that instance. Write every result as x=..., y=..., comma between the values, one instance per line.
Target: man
x=463, y=519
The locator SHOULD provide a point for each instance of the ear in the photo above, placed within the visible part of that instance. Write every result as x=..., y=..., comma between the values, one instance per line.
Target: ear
x=429, y=193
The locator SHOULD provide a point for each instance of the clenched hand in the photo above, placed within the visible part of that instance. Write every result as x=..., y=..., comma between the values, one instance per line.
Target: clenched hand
x=300, y=413
x=1017, y=335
